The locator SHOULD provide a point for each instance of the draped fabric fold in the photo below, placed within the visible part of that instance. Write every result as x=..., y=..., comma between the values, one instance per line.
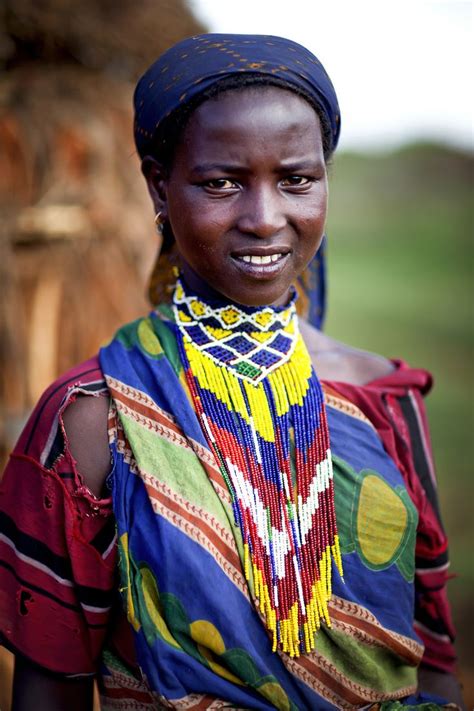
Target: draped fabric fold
x=198, y=631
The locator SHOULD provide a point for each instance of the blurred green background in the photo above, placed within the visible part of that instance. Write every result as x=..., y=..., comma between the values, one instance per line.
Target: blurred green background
x=400, y=257
x=400, y=229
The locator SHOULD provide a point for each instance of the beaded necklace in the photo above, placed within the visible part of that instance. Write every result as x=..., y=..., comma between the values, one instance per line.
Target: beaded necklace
x=262, y=410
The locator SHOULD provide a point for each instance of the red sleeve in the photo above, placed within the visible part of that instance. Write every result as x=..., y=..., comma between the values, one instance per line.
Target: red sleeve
x=57, y=542
x=394, y=404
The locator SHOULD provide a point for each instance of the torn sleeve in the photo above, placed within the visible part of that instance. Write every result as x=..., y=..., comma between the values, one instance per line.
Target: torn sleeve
x=57, y=542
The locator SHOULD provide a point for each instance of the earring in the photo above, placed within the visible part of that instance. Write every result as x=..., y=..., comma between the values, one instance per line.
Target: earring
x=159, y=222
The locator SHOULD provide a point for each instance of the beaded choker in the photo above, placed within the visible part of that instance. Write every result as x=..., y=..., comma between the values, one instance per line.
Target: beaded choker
x=262, y=410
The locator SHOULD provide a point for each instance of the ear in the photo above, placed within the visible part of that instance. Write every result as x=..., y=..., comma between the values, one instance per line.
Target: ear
x=156, y=178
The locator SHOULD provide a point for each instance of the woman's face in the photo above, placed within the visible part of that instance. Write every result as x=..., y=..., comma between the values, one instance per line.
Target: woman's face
x=246, y=196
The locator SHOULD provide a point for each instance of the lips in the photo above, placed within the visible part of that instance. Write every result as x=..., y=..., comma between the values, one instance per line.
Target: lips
x=263, y=265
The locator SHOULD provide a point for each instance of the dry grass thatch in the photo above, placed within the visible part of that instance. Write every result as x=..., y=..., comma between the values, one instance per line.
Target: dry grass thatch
x=76, y=228
x=119, y=37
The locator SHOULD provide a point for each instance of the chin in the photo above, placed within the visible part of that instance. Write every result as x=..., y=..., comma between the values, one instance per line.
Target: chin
x=258, y=296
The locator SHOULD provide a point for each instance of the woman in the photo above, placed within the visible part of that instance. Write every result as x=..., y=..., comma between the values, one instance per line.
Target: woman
x=267, y=524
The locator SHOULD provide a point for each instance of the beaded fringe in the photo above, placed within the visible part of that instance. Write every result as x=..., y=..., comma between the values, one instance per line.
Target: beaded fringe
x=287, y=519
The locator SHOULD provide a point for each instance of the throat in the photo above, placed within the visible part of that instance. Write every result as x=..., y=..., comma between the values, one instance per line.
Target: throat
x=198, y=285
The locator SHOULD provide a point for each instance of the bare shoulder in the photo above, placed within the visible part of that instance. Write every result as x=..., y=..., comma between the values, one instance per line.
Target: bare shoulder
x=334, y=360
x=85, y=423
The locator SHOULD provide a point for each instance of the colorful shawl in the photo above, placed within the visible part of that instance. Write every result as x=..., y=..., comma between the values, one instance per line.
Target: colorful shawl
x=199, y=638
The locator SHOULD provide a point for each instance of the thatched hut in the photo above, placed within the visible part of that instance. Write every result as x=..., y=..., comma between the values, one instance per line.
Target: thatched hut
x=77, y=238
x=76, y=229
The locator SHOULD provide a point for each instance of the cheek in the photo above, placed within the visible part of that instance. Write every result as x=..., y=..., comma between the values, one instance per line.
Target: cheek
x=312, y=230
x=321, y=212
x=195, y=236
x=196, y=224
x=313, y=207
x=315, y=218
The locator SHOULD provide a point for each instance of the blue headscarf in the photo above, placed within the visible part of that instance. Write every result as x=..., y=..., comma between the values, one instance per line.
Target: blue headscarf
x=193, y=65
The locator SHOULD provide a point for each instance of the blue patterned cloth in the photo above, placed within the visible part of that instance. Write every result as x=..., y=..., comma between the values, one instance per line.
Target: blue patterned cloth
x=195, y=64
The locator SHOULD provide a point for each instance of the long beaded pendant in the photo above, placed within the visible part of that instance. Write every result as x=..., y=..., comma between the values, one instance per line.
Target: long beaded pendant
x=262, y=410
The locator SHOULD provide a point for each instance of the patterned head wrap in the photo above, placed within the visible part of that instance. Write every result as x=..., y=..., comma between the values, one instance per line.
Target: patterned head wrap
x=193, y=65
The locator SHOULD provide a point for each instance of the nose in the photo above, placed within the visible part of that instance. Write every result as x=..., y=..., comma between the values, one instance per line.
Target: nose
x=262, y=212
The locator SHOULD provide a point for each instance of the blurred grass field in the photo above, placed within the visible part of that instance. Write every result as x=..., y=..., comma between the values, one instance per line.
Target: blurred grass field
x=400, y=257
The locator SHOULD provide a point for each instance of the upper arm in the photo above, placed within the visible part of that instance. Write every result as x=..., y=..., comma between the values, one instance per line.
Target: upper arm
x=57, y=552
x=85, y=424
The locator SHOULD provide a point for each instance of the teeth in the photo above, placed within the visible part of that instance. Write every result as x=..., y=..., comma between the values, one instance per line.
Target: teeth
x=255, y=259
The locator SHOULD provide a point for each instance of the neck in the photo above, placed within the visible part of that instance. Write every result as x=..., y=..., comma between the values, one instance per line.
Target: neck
x=197, y=284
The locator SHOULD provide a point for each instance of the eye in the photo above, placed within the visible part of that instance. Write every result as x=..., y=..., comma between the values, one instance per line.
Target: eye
x=297, y=181
x=218, y=184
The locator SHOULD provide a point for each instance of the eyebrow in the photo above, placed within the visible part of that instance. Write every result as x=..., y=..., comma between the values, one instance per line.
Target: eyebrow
x=301, y=165
x=221, y=167
x=234, y=168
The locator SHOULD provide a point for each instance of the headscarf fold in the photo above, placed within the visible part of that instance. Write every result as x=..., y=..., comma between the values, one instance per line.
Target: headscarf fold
x=195, y=64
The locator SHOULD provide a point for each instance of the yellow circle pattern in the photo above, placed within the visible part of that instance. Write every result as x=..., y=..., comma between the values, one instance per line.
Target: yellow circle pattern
x=147, y=338
x=379, y=503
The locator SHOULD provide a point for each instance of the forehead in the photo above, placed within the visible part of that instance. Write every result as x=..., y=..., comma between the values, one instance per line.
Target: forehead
x=257, y=117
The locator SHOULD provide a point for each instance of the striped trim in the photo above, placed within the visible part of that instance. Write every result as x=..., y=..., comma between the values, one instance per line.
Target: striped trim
x=429, y=570
x=138, y=400
x=320, y=683
x=420, y=450
x=209, y=463
x=124, y=691
x=194, y=521
x=106, y=538
x=35, y=563
x=37, y=589
x=167, y=429
x=337, y=402
x=33, y=551
x=422, y=433
x=38, y=556
x=121, y=704
x=366, y=628
x=178, y=514
x=154, y=423
x=220, y=536
x=428, y=631
x=324, y=677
